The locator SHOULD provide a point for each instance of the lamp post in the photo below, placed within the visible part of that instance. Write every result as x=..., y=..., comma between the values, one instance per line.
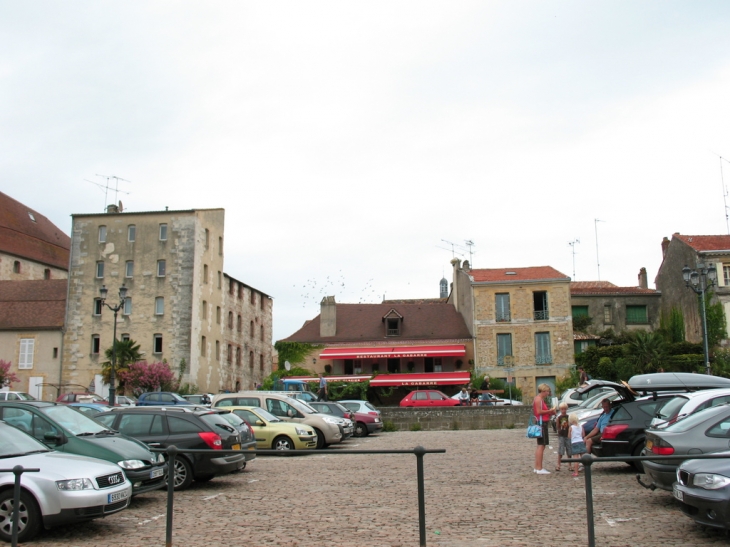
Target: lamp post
x=112, y=377
x=699, y=281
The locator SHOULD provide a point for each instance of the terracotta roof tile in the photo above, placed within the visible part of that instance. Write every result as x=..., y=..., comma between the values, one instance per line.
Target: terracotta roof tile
x=706, y=243
x=32, y=305
x=35, y=238
x=507, y=275
x=584, y=288
x=364, y=323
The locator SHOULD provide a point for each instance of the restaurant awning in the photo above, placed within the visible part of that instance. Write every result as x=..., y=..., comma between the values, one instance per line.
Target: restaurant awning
x=385, y=352
x=421, y=379
x=347, y=378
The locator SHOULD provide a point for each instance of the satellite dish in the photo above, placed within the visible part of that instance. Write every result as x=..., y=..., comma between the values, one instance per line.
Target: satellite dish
x=287, y=365
x=121, y=207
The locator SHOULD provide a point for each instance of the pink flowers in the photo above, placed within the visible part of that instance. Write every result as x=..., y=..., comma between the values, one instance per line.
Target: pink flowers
x=142, y=377
x=6, y=377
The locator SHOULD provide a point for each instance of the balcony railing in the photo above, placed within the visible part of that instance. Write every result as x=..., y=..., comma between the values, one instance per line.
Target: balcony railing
x=504, y=317
x=543, y=359
x=393, y=332
x=541, y=315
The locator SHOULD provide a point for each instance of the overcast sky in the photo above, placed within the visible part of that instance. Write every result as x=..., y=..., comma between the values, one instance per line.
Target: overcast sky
x=347, y=140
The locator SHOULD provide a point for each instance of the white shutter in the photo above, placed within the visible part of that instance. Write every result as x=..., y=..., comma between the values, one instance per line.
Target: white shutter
x=25, y=360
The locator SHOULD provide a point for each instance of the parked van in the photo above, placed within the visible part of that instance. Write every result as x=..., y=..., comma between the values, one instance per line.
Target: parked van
x=288, y=409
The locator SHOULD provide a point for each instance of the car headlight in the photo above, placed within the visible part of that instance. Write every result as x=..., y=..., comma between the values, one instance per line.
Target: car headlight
x=302, y=431
x=331, y=420
x=377, y=420
x=131, y=464
x=157, y=457
x=75, y=484
x=710, y=481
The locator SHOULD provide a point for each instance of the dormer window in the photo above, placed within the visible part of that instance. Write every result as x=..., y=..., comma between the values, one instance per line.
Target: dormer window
x=393, y=322
x=393, y=327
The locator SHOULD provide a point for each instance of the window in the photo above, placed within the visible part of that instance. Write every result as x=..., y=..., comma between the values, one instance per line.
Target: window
x=230, y=319
x=501, y=308
x=542, y=348
x=27, y=347
x=220, y=245
x=607, y=314
x=231, y=287
x=579, y=311
x=240, y=291
x=131, y=232
x=238, y=323
x=253, y=298
x=97, y=306
x=160, y=305
x=99, y=269
x=95, y=344
x=726, y=273
x=157, y=343
x=129, y=268
x=178, y=426
x=262, y=332
x=125, y=337
x=16, y=267
x=261, y=362
x=219, y=280
x=102, y=234
x=229, y=354
x=218, y=314
x=205, y=273
x=636, y=315
x=207, y=238
x=540, y=305
x=204, y=310
x=127, y=306
x=392, y=327
x=250, y=360
x=238, y=357
x=203, y=345
x=504, y=349
x=217, y=350
x=161, y=268
x=263, y=302
x=251, y=330
x=55, y=353
x=46, y=274
x=163, y=232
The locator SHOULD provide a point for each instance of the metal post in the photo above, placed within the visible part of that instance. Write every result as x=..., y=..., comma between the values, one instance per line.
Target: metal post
x=112, y=375
x=171, y=453
x=419, y=451
x=17, y=471
x=587, y=461
x=704, y=329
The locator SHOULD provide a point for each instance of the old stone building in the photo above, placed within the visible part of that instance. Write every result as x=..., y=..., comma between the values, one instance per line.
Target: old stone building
x=248, y=324
x=693, y=251
x=520, y=319
x=171, y=263
x=31, y=246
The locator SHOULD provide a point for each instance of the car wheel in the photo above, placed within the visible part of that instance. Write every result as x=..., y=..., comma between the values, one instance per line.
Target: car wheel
x=361, y=430
x=637, y=452
x=203, y=478
x=29, y=522
x=320, y=439
x=183, y=474
x=282, y=443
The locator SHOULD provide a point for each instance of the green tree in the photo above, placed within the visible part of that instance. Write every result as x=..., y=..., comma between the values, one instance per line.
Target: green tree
x=294, y=352
x=127, y=353
x=672, y=325
x=716, y=325
x=646, y=352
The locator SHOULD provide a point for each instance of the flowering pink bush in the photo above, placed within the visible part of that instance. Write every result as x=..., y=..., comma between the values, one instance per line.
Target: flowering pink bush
x=7, y=378
x=142, y=377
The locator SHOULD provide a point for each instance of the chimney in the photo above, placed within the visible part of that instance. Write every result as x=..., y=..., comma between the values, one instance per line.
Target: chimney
x=665, y=244
x=643, y=281
x=112, y=209
x=456, y=264
x=328, y=317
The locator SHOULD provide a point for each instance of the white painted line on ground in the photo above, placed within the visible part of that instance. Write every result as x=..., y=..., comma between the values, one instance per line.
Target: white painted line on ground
x=150, y=520
x=214, y=496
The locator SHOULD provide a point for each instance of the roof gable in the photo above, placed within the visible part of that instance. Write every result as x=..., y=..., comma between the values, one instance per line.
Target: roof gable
x=515, y=275
x=701, y=244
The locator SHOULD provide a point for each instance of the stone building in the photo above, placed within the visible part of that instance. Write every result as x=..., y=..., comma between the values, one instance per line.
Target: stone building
x=171, y=263
x=693, y=251
x=31, y=333
x=31, y=246
x=521, y=322
x=248, y=326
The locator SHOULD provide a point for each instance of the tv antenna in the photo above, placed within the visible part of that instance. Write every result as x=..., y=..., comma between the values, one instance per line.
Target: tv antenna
x=572, y=250
x=470, y=243
x=724, y=192
x=598, y=262
x=106, y=187
x=453, y=251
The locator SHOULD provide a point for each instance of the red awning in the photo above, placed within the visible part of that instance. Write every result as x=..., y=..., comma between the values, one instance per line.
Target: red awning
x=421, y=379
x=380, y=352
x=347, y=378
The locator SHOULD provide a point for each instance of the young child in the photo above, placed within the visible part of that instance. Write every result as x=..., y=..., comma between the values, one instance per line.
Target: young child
x=577, y=443
x=562, y=425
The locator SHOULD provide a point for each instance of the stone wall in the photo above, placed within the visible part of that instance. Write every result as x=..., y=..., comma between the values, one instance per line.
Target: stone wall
x=469, y=417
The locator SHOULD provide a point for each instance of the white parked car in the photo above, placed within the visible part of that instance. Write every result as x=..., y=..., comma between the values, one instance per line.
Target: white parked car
x=490, y=399
x=68, y=488
x=690, y=403
x=360, y=406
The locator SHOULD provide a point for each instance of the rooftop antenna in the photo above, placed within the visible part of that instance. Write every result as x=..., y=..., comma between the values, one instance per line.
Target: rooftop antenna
x=598, y=262
x=572, y=246
x=106, y=188
x=469, y=243
x=453, y=252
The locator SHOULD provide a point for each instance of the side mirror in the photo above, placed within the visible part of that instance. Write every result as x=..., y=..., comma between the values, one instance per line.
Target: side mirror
x=260, y=423
x=55, y=438
x=290, y=413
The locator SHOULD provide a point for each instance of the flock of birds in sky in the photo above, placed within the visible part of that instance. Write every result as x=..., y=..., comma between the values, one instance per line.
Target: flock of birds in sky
x=313, y=291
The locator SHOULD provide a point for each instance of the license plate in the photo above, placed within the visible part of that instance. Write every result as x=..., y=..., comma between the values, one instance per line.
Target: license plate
x=236, y=447
x=252, y=447
x=117, y=496
x=157, y=473
x=678, y=494
x=649, y=444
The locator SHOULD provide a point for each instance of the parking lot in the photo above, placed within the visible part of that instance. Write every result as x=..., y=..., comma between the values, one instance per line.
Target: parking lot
x=480, y=492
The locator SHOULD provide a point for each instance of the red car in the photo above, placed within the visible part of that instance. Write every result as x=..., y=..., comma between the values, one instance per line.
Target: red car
x=428, y=397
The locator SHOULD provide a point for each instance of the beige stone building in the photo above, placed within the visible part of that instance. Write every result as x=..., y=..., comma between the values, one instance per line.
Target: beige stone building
x=171, y=263
x=521, y=322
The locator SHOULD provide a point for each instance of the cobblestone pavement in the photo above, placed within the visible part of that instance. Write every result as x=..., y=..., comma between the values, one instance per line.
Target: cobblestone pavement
x=481, y=492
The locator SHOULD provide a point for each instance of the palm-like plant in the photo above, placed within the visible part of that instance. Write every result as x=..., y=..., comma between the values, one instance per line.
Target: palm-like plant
x=647, y=351
x=127, y=353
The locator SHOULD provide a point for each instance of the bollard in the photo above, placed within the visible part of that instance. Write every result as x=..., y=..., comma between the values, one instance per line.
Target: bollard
x=171, y=453
x=419, y=451
x=18, y=470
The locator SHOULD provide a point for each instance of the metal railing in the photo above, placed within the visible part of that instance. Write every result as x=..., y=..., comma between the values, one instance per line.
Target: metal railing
x=419, y=452
x=18, y=470
x=589, y=461
x=541, y=315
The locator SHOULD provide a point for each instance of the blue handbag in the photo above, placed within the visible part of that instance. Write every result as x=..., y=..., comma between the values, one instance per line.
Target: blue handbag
x=534, y=431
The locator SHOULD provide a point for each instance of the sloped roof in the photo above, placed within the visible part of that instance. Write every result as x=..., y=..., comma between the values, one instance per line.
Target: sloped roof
x=32, y=305
x=515, y=275
x=706, y=243
x=364, y=323
x=606, y=288
x=35, y=238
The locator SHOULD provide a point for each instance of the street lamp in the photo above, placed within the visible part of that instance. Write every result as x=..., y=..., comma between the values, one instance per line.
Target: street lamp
x=699, y=281
x=112, y=377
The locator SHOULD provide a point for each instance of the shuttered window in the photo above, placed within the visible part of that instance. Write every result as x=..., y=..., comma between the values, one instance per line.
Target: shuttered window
x=502, y=310
x=636, y=315
x=27, y=348
x=543, y=355
x=504, y=348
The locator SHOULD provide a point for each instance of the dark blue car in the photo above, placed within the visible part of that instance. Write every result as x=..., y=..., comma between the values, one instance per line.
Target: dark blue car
x=161, y=398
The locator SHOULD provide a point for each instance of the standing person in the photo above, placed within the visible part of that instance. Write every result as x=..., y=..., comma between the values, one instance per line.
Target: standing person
x=577, y=444
x=485, y=385
x=322, y=395
x=595, y=435
x=464, y=397
x=542, y=413
x=563, y=427
x=583, y=377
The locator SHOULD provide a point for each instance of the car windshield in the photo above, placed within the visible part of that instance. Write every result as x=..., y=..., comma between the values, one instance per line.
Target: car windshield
x=693, y=419
x=217, y=422
x=672, y=408
x=342, y=408
x=14, y=442
x=26, y=396
x=72, y=421
x=592, y=401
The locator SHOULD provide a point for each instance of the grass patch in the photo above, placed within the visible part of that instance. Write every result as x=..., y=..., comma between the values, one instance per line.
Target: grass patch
x=416, y=427
x=509, y=426
x=388, y=426
x=455, y=426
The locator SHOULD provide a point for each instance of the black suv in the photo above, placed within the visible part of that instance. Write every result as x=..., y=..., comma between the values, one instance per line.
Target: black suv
x=160, y=427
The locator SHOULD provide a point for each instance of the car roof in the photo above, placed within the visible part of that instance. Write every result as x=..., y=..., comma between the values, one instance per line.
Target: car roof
x=192, y=409
x=31, y=403
x=662, y=381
